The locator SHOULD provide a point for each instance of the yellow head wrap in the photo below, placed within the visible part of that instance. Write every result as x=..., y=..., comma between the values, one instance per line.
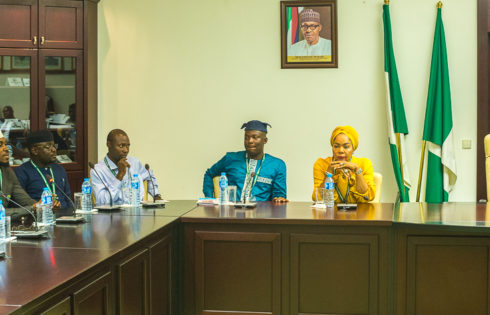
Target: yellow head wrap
x=349, y=132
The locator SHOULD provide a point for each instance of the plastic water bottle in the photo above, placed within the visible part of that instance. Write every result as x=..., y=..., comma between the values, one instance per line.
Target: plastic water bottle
x=223, y=189
x=47, y=206
x=135, y=191
x=86, y=195
x=329, y=188
x=3, y=230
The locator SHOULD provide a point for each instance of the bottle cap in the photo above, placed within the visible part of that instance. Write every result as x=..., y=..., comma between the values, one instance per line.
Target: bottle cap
x=329, y=175
x=86, y=179
x=135, y=175
x=45, y=188
x=223, y=173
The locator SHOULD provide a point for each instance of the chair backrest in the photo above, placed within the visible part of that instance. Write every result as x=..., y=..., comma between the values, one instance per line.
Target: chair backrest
x=487, y=163
x=378, y=184
x=145, y=185
x=216, y=186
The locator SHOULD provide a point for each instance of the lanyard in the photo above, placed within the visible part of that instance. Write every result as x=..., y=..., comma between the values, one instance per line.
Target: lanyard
x=114, y=172
x=53, y=190
x=1, y=180
x=343, y=198
x=247, y=176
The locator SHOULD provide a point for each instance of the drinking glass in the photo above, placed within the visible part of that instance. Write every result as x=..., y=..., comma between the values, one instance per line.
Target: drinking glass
x=320, y=194
x=78, y=197
x=232, y=194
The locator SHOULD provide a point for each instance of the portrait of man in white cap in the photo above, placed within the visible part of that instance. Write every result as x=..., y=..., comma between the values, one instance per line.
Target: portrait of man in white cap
x=312, y=44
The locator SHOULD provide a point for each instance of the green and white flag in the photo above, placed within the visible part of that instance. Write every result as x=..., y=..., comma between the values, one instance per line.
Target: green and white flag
x=438, y=126
x=397, y=122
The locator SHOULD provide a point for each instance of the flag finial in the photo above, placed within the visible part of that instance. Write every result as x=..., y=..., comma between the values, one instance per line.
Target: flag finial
x=387, y=1
x=439, y=4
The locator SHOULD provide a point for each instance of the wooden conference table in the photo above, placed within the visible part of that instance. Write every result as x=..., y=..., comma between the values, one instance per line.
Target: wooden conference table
x=276, y=259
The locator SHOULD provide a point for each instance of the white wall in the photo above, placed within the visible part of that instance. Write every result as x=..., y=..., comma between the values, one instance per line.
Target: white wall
x=182, y=76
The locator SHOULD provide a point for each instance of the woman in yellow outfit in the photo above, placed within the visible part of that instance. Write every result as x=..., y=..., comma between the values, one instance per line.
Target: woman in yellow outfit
x=353, y=176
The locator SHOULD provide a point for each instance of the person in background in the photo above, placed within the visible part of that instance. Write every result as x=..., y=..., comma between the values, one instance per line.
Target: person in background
x=353, y=177
x=116, y=170
x=8, y=112
x=262, y=175
x=35, y=174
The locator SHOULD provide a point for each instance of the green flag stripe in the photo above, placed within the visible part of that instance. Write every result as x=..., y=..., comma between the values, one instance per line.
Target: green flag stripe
x=435, y=184
x=397, y=108
x=397, y=122
x=438, y=116
x=441, y=163
x=404, y=190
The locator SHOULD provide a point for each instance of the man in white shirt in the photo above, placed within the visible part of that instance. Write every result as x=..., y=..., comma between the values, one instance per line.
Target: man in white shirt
x=312, y=44
x=116, y=170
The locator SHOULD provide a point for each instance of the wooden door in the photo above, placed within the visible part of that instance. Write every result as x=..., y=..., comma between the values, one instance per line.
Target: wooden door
x=133, y=284
x=160, y=276
x=18, y=23
x=61, y=308
x=95, y=298
x=60, y=24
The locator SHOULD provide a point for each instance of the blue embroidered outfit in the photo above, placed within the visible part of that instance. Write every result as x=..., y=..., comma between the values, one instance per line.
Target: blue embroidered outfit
x=269, y=179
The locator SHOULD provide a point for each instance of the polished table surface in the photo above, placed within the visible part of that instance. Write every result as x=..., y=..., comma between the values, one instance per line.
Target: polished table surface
x=103, y=232
x=30, y=272
x=445, y=214
x=173, y=208
x=293, y=213
x=34, y=267
x=464, y=214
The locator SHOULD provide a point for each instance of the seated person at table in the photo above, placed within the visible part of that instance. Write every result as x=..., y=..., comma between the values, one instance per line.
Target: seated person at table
x=35, y=174
x=262, y=175
x=116, y=170
x=11, y=187
x=353, y=176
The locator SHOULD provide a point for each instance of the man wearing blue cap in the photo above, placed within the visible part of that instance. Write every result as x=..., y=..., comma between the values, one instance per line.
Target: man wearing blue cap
x=256, y=174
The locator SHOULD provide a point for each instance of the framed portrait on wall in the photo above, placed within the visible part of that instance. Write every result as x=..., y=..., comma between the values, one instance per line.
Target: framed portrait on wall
x=309, y=34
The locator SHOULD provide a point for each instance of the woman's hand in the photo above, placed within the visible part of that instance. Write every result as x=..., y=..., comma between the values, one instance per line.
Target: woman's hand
x=337, y=165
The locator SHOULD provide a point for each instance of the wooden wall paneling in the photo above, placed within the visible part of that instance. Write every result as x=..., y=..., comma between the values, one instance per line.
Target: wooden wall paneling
x=237, y=272
x=334, y=274
x=61, y=308
x=161, y=276
x=18, y=22
x=61, y=24
x=133, y=284
x=95, y=298
x=448, y=275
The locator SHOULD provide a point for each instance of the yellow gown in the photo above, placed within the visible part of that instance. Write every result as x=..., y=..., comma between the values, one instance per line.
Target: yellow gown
x=342, y=182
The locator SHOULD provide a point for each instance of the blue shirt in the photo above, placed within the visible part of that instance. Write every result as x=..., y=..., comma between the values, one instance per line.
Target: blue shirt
x=271, y=180
x=33, y=183
x=119, y=189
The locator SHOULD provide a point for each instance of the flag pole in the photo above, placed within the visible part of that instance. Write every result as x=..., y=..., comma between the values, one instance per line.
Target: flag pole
x=422, y=156
x=399, y=149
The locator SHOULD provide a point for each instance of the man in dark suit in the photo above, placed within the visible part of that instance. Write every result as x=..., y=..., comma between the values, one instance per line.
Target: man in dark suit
x=10, y=186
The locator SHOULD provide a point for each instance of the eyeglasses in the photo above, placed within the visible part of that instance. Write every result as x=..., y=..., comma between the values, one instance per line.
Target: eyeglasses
x=48, y=146
x=312, y=27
